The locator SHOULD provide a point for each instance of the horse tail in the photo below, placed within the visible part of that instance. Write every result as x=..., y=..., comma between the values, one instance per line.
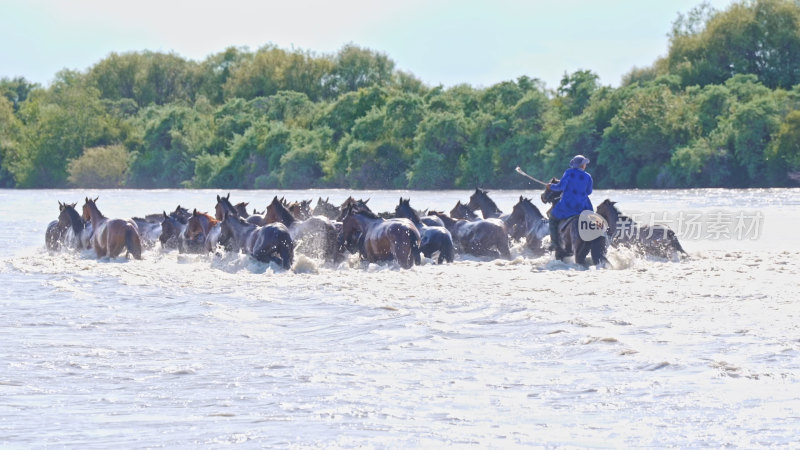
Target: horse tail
x=415, y=249
x=448, y=251
x=502, y=245
x=133, y=242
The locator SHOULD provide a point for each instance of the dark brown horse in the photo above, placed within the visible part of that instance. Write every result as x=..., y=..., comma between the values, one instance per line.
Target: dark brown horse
x=526, y=219
x=270, y=243
x=315, y=236
x=241, y=208
x=433, y=238
x=657, y=240
x=202, y=233
x=381, y=239
x=480, y=200
x=482, y=237
x=462, y=211
x=574, y=243
x=111, y=236
x=172, y=234
x=69, y=230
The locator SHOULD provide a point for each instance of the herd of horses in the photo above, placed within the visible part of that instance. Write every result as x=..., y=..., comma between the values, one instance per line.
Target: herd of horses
x=328, y=232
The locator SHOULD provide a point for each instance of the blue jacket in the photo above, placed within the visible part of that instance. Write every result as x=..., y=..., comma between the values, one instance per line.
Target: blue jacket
x=576, y=186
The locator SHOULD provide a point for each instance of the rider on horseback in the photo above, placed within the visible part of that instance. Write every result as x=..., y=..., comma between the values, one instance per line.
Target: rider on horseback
x=575, y=186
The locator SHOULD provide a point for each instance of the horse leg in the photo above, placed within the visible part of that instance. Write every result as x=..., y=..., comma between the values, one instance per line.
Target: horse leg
x=598, y=247
x=403, y=254
x=133, y=242
x=502, y=246
x=287, y=256
x=580, y=253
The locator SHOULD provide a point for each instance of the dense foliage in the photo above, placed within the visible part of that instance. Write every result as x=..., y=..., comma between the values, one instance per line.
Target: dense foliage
x=722, y=108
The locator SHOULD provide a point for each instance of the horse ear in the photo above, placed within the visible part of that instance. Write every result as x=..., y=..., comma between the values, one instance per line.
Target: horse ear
x=228, y=197
x=194, y=212
x=520, y=198
x=367, y=200
x=165, y=214
x=96, y=199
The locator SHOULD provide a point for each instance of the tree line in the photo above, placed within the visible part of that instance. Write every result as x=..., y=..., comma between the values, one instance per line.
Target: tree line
x=720, y=109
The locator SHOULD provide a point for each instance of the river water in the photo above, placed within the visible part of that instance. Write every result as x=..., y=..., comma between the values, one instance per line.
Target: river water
x=188, y=350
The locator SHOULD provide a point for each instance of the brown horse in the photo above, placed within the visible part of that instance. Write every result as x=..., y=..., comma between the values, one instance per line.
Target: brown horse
x=69, y=230
x=111, y=236
x=202, y=233
x=315, y=236
x=380, y=239
x=482, y=237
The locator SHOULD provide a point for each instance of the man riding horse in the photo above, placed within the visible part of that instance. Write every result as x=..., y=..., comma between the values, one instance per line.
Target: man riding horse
x=575, y=187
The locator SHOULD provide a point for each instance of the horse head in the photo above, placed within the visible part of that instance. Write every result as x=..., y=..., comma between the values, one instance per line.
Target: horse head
x=476, y=199
x=550, y=196
x=462, y=211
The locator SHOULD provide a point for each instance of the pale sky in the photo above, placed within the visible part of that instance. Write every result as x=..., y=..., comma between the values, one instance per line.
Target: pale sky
x=441, y=42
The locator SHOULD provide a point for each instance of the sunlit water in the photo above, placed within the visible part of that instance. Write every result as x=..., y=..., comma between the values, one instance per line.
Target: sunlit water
x=188, y=350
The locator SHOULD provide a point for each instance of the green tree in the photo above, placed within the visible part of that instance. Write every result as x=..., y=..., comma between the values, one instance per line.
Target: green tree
x=100, y=167
x=58, y=124
x=356, y=68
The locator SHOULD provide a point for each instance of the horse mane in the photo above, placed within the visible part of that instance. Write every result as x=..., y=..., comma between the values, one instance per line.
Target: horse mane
x=620, y=216
x=285, y=215
x=366, y=213
x=211, y=219
x=78, y=225
x=411, y=211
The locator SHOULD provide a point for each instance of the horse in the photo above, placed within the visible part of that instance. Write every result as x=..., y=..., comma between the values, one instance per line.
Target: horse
x=270, y=243
x=202, y=233
x=482, y=237
x=574, y=244
x=301, y=209
x=528, y=221
x=111, y=236
x=180, y=213
x=172, y=232
x=433, y=238
x=381, y=239
x=325, y=208
x=149, y=230
x=657, y=240
x=241, y=208
x=315, y=236
x=480, y=200
x=69, y=229
x=224, y=205
x=462, y=211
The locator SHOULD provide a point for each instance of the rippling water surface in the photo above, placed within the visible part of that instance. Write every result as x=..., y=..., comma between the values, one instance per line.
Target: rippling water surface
x=180, y=350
